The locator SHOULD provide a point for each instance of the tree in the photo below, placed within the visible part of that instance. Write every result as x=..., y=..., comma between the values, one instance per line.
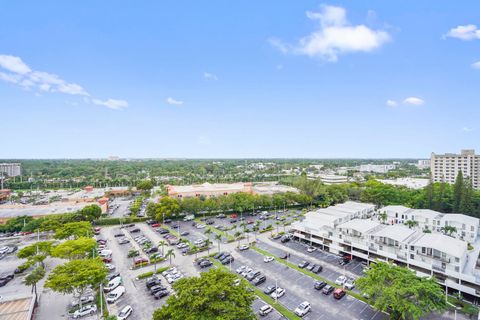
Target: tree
x=74, y=229
x=411, y=223
x=237, y=235
x=448, y=230
x=383, y=217
x=217, y=299
x=400, y=292
x=218, y=237
x=194, y=248
x=36, y=253
x=162, y=243
x=90, y=213
x=458, y=188
x=167, y=207
x=145, y=185
x=75, y=249
x=76, y=276
x=170, y=254
x=208, y=242
x=466, y=203
x=33, y=278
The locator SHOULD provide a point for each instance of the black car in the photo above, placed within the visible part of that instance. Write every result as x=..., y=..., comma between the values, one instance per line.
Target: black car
x=223, y=255
x=269, y=289
x=310, y=267
x=150, y=222
x=120, y=234
x=201, y=260
x=160, y=294
x=167, y=221
x=162, y=231
x=283, y=256
x=276, y=236
x=228, y=260
x=343, y=261
x=153, y=282
x=209, y=222
x=217, y=255
x=303, y=264
x=319, y=285
x=7, y=275
x=151, y=250
x=252, y=275
x=130, y=225
x=328, y=289
x=205, y=263
x=184, y=233
x=135, y=230
x=284, y=239
x=259, y=280
x=157, y=288
x=113, y=276
x=233, y=220
x=317, y=269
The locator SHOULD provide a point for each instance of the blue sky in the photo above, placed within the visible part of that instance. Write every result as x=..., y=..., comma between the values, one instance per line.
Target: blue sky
x=238, y=78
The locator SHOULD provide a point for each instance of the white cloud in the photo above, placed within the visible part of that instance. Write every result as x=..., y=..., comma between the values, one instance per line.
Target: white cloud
x=476, y=65
x=466, y=32
x=13, y=64
x=392, y=103
x=111, y=103
x=174, y=102
x=414, y=101
x=209, y=76
x=467, y=129
x=334, y=36
x=17, y=72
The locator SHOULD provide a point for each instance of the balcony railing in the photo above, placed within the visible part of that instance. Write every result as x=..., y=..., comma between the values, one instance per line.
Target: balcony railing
x=438, y=268
x=401, y=257
x=446, y=260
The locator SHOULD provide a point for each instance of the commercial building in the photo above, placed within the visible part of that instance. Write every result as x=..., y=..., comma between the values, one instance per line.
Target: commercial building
x=423, y=164
x=333, y=179
x=10, y=169
x=412, y=183
x=363, y=234
x=208, y=189
x=445, y=167
x=377, y=168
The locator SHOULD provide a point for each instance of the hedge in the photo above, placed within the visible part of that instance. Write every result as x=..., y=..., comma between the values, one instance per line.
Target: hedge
x=115, y=221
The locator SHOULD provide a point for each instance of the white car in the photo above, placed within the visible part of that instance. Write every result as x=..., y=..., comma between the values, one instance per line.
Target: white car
x=243, y=247
x=200, y=226
x=105, y=253
x=125, y=313
x=109, y=266
x=311, y=249
x=85, y=310
x=112, y=284
x=266, y=309
x=278, y=293
x=349, y=284
x=241, y=269
x=114, y=295
x=303, y=309
x=84, y=299
x=268, y=259
x=3, y=250
x=341, y=280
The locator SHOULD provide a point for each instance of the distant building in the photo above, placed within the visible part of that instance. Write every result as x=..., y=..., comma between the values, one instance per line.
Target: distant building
x=333, y=179
x=208, y=189
x=412, y=183
x=377, y=168
x=10, y=169
x=423, y=164
x=445, y=167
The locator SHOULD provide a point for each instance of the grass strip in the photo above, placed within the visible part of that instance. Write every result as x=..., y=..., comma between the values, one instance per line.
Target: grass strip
x=277, y=306
x=308, y=273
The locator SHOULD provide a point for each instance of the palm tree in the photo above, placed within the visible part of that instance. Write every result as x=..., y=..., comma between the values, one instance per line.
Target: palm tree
x=383, y=217
x=195, y=248
x=33, y=278
x=170, y=254
x=162, y=243
x=411, y=223
x=208, y=243
x=218, y=237
x=208, y=232
x=278, y=224
x=245, y=230
x=449, y=230
x=237, y=235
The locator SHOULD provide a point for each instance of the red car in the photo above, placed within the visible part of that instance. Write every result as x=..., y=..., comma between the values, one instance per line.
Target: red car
x=107, y=259
x=233, y=216
x=139, y=261
x=97, y=230
x=338, y=293
x=156, y=225
x=249, y=221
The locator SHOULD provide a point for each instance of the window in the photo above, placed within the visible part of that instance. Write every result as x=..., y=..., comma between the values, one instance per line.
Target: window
x=412, y=256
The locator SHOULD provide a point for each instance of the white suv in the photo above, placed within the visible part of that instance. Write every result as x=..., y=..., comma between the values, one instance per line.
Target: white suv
x=303, y=309
x=85, y=310
x=341, y=280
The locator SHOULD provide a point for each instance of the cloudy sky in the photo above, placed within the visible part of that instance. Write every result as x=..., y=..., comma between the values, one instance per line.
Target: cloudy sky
x=238, y=78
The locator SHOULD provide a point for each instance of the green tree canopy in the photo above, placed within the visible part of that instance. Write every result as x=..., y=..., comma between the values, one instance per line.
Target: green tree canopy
x=145, y=185
x=33, y=278
x=75, y=249
x=74, y=229
x=211, y=296
x=400, y=292
x=90, y=212
x=167, y=207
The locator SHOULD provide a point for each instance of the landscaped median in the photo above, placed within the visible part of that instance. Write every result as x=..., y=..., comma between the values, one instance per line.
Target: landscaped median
x=151, y=273
x=280, y=308
x=308, y=273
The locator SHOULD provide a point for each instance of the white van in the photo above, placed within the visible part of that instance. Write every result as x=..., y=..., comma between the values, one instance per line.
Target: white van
x=105, y=253
x=114, y=295
x=115, y=282
x=189, y=217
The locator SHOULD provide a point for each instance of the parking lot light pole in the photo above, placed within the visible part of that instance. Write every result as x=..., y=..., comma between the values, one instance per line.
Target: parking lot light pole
x=276, y=287
x=101, y=300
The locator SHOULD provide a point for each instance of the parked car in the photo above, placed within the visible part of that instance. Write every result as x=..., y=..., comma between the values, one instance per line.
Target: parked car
x=341, y=280
x=123, y=241
x=139, y=261
x=155, y=225
x=124, y=313
x=317, y=269
x=269, y=289
x=339, y=293
x=160, y=294
x=284, y=239
x=227, y=260
x=349, y=284
x=265, y=309
x=206, y=263
x=241, y=269
x=155, y=289
x=259, y=280
x=115, y=294
x=110, y=266
x=319, y=285
x=153, y=282
x=84, y=300
x=278, y=293
x=119, y=234
x=310, y=266
x=252, y=275
x=184, y=233
x=268, y=259
x=112, y=276
x=243, y=247
x=89, y=309
x=107, y=259
x=303, y=309
x=303, y=264
x=328, y=289
x=112, y=284
x=311, y=249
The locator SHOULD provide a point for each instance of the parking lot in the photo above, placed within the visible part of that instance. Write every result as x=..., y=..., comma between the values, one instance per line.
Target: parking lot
x=299, y=288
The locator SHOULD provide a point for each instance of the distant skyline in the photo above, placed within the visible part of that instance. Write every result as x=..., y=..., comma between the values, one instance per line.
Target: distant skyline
x=215, y=79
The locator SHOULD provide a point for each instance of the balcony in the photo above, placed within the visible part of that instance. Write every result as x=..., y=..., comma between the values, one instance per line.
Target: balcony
x=400, y=257
x=438, y=268
x=445, y=260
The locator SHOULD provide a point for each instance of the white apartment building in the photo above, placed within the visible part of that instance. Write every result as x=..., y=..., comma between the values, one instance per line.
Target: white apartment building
x=377, y=168
x=467, y=227
x=445, y=167
x=423, y=164
x=333, y=179
x=10, y=169
x=450, y=260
